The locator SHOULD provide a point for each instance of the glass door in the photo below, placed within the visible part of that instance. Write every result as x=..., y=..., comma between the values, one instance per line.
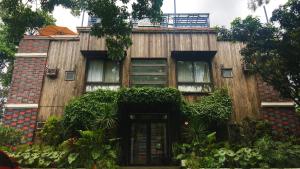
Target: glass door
x=148, y=143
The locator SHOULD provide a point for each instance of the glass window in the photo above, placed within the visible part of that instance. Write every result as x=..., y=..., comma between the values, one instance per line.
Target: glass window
x=103, y=74
x=148, y=72
x=227, y=72
x=193, y=76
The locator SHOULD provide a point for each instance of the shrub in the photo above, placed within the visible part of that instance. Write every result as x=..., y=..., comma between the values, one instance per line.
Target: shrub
x=84, y=112
x=52, y=133
x=9, y=136
x=39, y=157
x=209, y=114
x=216, y=108
x=91, y=149
x=168, y=99
x=248, y=131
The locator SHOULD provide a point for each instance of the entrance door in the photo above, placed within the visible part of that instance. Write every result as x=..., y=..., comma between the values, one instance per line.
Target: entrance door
x=148, y=144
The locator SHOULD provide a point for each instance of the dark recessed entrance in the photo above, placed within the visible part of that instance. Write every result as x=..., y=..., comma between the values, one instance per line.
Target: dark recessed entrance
x=148, y=143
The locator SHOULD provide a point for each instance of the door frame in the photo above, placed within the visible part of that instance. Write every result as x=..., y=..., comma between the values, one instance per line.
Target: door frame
x=148, y=123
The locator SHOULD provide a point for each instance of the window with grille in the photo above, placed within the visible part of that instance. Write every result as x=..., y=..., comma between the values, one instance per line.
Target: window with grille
x=193, y=76
x=103, y=74
x=148, y=72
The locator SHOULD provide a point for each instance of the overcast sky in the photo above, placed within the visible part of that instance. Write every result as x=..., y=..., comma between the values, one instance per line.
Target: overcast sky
x=222, y=12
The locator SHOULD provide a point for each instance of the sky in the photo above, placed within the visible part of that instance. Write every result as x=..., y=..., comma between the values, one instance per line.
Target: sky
x=222, y=12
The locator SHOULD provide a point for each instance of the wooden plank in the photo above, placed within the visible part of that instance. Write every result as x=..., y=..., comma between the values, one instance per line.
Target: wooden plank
x=56, y=93
x=242, y=87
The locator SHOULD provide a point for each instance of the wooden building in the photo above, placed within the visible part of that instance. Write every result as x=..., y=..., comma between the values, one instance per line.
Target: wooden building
x=51, y=70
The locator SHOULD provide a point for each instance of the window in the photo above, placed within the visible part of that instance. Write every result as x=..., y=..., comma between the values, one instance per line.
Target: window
x=102, y=74
x=70, y=75
x=148, y=72
x=227, y=72
x=193, y=76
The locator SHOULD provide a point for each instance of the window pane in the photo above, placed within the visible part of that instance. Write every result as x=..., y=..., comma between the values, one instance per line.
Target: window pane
x=227, y=72
x=185, y=71
x=148, y=72
x=195, y=88
x=201, y=72
x=150, y=69
x=111, y=72
x=95, y=71
x=149, y=79
x=90, y=88
x=149, y=61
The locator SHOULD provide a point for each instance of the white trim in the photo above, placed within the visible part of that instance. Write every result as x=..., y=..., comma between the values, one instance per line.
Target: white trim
x=277, y=104
x=21, y=106
x=31, y=54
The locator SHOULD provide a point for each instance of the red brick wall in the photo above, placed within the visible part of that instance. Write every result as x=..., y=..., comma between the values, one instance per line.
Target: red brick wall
x=27, y=80
x=33, y=46
x=22, y=119
x=283, y=119
x=268, y=93
x=26, y=87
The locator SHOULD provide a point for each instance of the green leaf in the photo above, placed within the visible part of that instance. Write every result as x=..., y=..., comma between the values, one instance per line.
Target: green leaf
x=72, y=157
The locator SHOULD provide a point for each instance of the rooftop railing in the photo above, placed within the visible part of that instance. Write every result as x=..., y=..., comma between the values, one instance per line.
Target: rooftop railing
x=170, y=20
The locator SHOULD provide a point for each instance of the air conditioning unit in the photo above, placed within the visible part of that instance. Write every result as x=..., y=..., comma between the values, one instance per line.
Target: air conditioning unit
x=52, y=73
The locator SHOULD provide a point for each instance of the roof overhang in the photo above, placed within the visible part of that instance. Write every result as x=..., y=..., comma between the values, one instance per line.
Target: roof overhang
x=193, y=55
x=100, y=54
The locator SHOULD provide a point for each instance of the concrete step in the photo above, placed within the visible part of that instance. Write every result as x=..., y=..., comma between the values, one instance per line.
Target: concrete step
x=151, y=167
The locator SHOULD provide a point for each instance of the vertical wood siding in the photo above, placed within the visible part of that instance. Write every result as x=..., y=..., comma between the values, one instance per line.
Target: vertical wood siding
x=66, y=55
x=56, y=93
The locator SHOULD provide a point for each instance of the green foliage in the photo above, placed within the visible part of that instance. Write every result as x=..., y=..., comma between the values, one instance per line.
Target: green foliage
x=115, y=23
x=52, y=132
x=272, y=51
x=277, y=153
x=149, y=96
x=248, y=131
x=18, y=19
x=91, y=111
x=261, y=151
x=90, y=150
x=9, y=136
x=38, y=157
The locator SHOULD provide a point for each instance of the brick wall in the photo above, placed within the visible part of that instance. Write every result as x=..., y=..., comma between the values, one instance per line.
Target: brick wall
x=33, y=46
x=283, y=119
x=27, y=80
x=22, y=119
x=25, y=91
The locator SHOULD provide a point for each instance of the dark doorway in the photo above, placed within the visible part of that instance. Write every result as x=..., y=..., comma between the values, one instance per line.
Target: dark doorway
x=148, y=142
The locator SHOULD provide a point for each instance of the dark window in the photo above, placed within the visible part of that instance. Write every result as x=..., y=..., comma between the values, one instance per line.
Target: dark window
x=227, y=72
x=70, y=75
x=103, y=74
x=149, y=72
x=193, y=76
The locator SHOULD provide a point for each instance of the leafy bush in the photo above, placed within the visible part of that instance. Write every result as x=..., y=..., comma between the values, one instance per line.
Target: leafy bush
x=91, y=149
x=39, y=157
x=167, y=98
x=52, y=133
x=216, y=108
x=207, y=115
x=278, y=154
x=9, y=136
x=248, y=131
x=84, y=112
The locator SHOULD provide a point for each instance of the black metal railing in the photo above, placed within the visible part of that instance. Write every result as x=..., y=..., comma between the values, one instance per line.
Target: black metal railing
x=170, y=20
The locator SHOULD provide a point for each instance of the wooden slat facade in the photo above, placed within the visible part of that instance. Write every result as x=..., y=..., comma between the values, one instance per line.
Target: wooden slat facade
x=66, y=55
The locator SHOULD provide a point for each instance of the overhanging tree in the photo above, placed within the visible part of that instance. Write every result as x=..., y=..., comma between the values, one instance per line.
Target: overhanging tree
x=273, y=52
